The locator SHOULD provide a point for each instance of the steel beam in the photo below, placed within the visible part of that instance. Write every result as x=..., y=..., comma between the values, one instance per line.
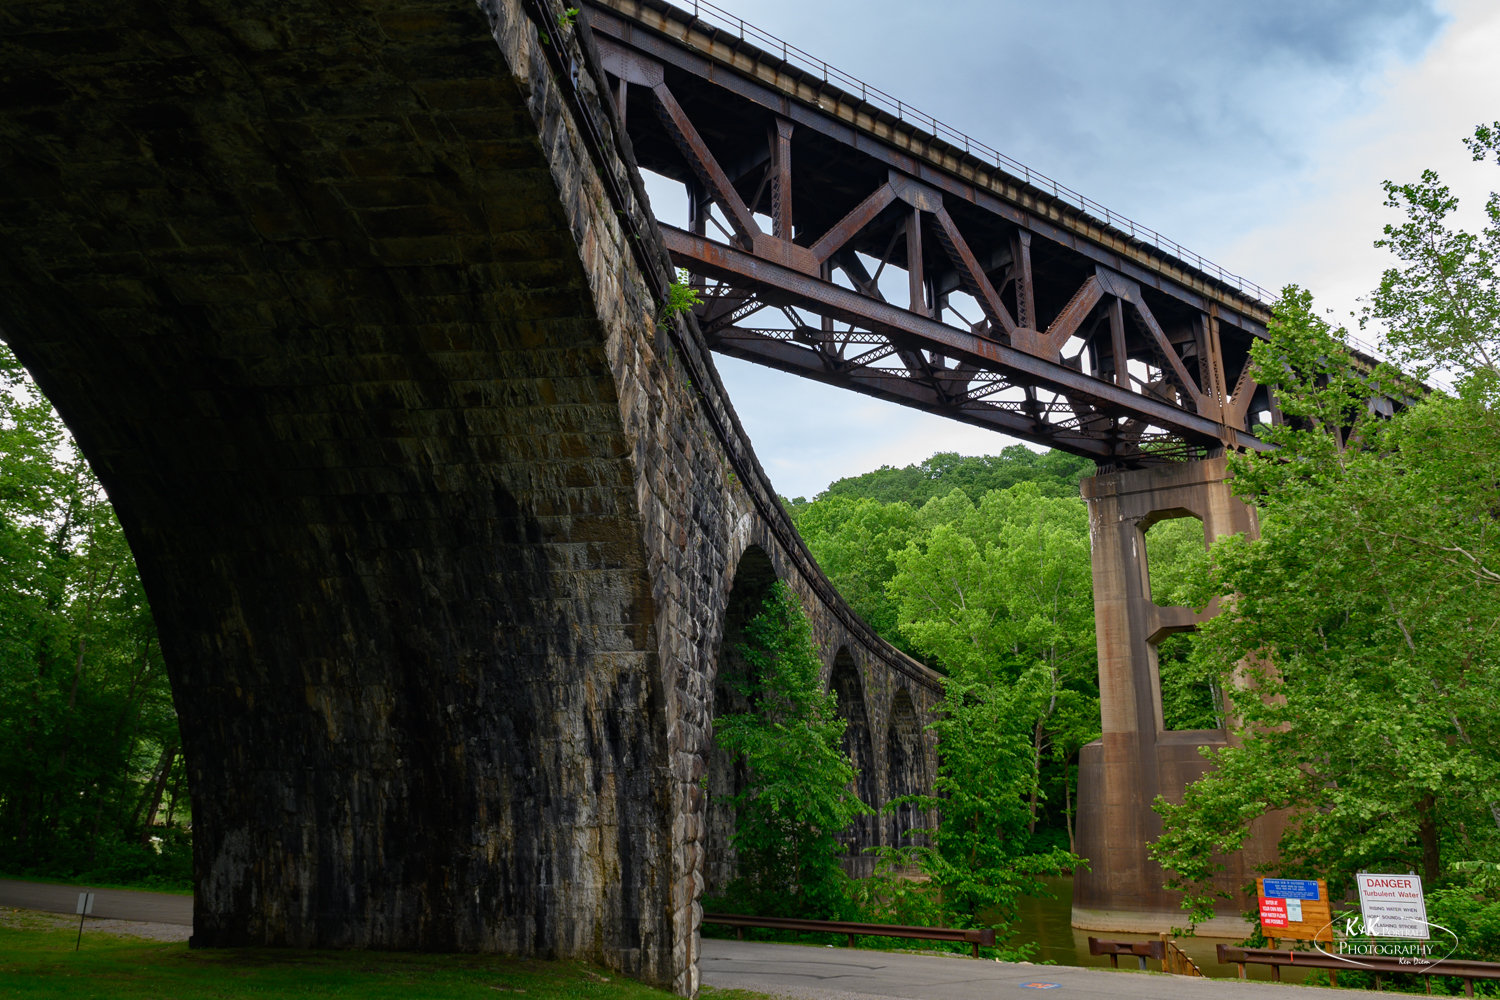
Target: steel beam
x=894, y=388
x=1032, y=209
x=849, y=226
x=773, y=281
x=712, y=176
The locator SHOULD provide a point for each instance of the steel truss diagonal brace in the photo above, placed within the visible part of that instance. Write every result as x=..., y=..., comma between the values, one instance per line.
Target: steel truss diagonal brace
x=712, y=176
x=849, y=226
x=1050, y=344
x=1237, y=407
x=774, y=281
x=1129, y=291
x=970, y=275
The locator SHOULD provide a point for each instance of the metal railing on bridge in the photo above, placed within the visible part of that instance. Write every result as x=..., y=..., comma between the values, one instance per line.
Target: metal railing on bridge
x=717, y=17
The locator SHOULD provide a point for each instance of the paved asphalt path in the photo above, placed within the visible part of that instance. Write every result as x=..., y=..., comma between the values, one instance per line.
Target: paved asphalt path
x=790, y=970
x=109, y=904
x=848, y=974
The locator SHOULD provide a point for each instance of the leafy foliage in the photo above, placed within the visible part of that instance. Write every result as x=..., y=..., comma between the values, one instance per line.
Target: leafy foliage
x=798, y=796
x=89, y=751
x=981, y=860
x=681, y=297
x=855, y=541
x=1364, y=620
x=1000, y=593
x=1442, y=308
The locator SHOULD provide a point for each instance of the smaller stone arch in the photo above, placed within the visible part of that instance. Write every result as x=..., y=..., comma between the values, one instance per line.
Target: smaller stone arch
x=905, y=768
x=848, y=690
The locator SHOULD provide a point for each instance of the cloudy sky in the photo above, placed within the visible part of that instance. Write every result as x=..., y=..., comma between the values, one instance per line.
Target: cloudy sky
x=1255, y=132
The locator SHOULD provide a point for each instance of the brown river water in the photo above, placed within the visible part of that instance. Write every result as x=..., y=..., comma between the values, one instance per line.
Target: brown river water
x=1048, y=923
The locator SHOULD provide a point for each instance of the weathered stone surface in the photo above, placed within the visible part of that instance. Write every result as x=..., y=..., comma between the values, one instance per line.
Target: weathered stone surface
x=439, y=525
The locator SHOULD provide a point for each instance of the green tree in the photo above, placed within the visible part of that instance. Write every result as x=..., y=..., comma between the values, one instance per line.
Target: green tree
x=1367, y=611
x=90, y=740
x=1364, y=623
x=1056, y=473
x=854, y=541
x=1178, y=562
x=981, y=859
x=798, y=797
x=1441, y=308
x=1001, y=591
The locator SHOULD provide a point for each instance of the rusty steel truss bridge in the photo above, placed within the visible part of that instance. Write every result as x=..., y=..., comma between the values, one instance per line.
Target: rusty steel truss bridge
x=1026, y=308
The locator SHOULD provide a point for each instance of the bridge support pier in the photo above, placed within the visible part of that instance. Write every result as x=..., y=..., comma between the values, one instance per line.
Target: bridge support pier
x=1136, y=758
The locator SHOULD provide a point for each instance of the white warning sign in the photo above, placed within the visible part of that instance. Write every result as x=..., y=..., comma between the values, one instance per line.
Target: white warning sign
x=1392, y=905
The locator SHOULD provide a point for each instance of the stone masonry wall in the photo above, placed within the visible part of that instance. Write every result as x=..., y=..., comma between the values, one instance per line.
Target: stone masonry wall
x=706, y=501
x=439, y=522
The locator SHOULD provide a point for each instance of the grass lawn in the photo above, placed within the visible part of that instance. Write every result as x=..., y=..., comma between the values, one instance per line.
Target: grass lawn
x=37, y=962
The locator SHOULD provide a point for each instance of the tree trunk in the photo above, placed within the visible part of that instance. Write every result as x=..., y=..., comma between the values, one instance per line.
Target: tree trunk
x=1036, y=773
x=1068, y=808
x=157, y=791
x=1428, y=831
x=176, y=794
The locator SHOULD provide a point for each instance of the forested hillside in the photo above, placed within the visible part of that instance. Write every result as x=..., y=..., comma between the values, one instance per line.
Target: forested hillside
x=979, y=566
x=1055, y=473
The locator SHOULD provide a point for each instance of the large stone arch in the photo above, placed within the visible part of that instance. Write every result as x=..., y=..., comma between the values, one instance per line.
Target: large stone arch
x=370, y=376
x=440, y=518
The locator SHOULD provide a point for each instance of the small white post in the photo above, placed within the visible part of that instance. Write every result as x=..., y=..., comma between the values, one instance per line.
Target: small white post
x=85, y=908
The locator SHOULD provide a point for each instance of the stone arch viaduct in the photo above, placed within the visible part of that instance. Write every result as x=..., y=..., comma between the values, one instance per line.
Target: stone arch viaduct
x=357, y=311
x=357, y=308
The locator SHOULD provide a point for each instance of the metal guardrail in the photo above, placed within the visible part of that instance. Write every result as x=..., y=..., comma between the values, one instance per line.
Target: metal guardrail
x=717, y=17
x=1380, y=965
x=1172, y=958
x=975, y=936
x=1140, y=950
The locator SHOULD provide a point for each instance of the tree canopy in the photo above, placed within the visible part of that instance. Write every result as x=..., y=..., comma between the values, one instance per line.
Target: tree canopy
x=1055, y=473
x=1359, y=637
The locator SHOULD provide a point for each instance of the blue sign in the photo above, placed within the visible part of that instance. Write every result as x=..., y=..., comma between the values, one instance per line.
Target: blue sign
x=1291, y=888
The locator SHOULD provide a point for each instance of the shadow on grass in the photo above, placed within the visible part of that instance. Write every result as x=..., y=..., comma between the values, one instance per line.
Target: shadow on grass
x=37, y=962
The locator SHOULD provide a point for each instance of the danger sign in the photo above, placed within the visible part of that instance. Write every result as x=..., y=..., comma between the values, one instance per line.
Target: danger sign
x=1392, y=905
